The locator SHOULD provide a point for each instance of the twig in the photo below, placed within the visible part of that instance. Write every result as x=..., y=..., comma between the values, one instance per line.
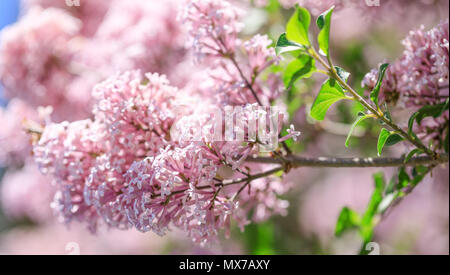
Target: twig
x=380, y=115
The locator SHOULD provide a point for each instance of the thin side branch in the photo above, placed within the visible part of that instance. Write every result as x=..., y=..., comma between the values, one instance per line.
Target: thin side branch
x=378, y=113
x=225, y=183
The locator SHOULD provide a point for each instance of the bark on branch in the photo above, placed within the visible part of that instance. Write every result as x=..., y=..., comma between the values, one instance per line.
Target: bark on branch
x=297, y=161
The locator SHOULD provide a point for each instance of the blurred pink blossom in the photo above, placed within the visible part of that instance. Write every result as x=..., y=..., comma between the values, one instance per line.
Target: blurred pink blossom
x=15, y=143
x=90, y=12
x=35, y=60
x=27, y=193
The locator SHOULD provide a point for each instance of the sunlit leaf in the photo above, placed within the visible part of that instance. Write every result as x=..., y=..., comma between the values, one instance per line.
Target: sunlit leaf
x=302, y=67
x=324, y=24
x=284, y=45
x=347, y=219
x=372, y=208
x=387, y=138
x=361, y=117
x=403, y=178
x=412, y=153
x=376, y=91
x=343, y=74
x=298, y=26
x=329, y=94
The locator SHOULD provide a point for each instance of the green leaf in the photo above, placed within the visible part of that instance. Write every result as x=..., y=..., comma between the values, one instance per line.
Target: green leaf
x=347, y=219
x=372, y=208
x=412, y=153
x=392, y=186
x=382, y=138
x=403, y=178
x=387, y=138
x=376, y=91
x=298, y=26
x=329, y=93
x=273, y=6
x=431, y=111
x=428, y=111
x=302, y=67
x=386, y=202
x=284, y=45
x=343, y=74
x=259, y=238
x=361, y=117
x=387, y=113
x=419, y=172
x=393, y=139
x=279, y=174
x=324, y=24
x=411, y=122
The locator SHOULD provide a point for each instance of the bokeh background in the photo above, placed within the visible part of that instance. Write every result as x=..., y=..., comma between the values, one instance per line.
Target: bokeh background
x=361, y=40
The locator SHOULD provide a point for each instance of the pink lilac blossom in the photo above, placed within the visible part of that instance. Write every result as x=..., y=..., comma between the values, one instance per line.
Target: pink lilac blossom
x=213, y=25
x=420, y=77
x=35, y=57
x=55, y=31
x=236, y=66
x=126, y=168
x=132, y=103
x=54, y=239
x=259, y=54
x=147, y=37
x=136, y=111
x=179, y=186
x=369, y=8
x=90, y=12
x=67, y=151
x=131, y=121
x=15, y=143
x=164, y=190
x=53, y=63
x=144, y=32
x=123, y=169
x=262, y=197
x=26, y=193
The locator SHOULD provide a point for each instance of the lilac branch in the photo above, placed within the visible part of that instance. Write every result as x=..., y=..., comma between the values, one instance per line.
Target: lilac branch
x=297, y=161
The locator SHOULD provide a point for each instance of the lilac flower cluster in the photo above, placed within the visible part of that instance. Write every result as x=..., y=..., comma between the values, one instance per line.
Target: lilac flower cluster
x=419, y=77
x=125, y=167
x=90, y=13
x=235, y=65
x=370, y=8
x=44, y=41
x=54, y=55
